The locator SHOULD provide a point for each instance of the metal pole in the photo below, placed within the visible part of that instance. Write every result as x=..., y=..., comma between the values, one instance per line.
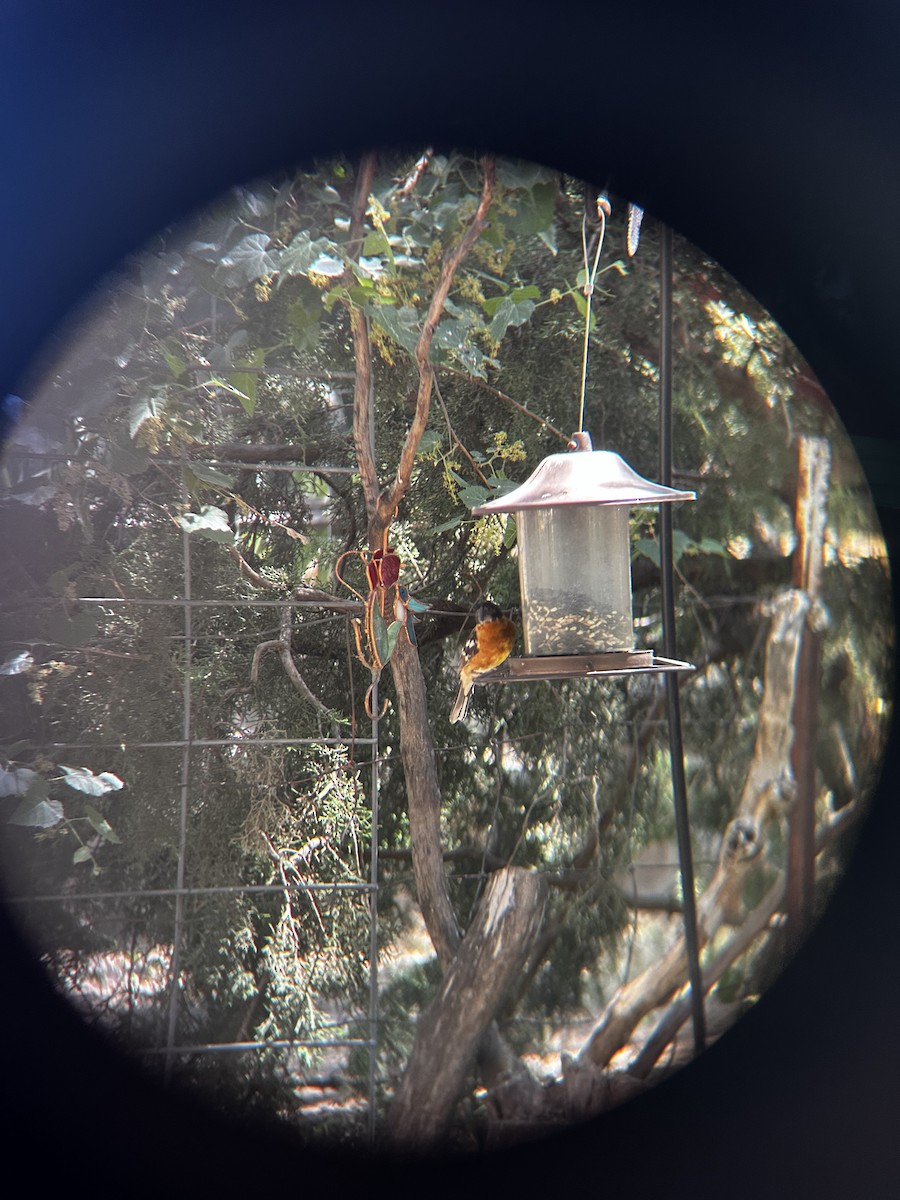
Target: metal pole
x=178, y=932
x=373, y=926
x=673, y=700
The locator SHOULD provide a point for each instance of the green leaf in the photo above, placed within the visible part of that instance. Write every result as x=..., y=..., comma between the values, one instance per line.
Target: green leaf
x=82, y=854
x=142, y=407
x=17, y=665
x=15, y=781
x=328, y=265
x=171, y=352
x=209, y=522
x=474, y=494
x=709, y=545
x=207, y=474
x=43, y=814
x=401, y=324
x=303, y=328
x=248, y=260
x=128, y=460
x=429, y=442
x=100, y=824
x=535, y=209
x=246, y=383
x=446, y=526
x=648, y=548
x=519, y=173
x=84, y=780
x=113, y=782
x=298, y=258
x=509, y=312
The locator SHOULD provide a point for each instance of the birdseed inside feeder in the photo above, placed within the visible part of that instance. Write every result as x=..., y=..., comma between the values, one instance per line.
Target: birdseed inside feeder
x=575, y=550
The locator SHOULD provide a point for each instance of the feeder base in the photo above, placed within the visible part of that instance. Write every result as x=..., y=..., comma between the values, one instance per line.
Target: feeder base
x=581, y=666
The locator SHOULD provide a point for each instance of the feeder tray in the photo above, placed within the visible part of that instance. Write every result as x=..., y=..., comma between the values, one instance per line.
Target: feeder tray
x=582, y=666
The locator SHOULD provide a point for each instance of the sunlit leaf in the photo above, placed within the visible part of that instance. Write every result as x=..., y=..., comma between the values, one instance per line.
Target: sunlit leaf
x=248, y=260
x=148, y=404
x=210, y=522
x=18, y=665
x=15, y=781
x=113, y=782
x=84, y=780
x=328, y=265
x=401, y=323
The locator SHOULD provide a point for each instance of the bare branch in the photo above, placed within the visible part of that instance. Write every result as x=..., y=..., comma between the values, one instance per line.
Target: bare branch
x=363, y=415
x=391, y=497
x=283, y=646
x=248, y=572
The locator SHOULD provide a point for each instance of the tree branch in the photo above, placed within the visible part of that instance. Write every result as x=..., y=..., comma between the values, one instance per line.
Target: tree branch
x=363, y=406
x=391, y=496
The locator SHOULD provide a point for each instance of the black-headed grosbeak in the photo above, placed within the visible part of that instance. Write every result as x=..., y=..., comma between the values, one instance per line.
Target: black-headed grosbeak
x=489, y=645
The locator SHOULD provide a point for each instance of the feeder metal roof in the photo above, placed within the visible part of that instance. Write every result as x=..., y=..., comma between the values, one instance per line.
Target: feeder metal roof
x=582, y=476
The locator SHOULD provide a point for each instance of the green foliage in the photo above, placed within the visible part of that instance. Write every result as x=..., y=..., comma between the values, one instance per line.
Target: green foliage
x=233, y=336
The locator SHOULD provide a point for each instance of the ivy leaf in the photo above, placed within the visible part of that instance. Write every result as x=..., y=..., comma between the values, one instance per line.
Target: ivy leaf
x=474, y=494
x=535, y=209
x=150, y=404
x=113, y=782
x=328, y=265
x=509, y=312
x=41, y=815
x=248, y=260
x=84, y=780
x=16, y=781
x=446, y=526
x=209, y=522
x=18, y=665
x=303, y=328
x=298, y=257
x=519, y=173
x=402, y=324
x=100, y=824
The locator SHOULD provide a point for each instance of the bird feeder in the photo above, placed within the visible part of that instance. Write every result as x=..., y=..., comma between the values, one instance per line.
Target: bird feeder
x=574, y=554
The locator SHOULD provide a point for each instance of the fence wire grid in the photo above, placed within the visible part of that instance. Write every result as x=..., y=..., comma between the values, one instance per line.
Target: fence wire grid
x=141, y=992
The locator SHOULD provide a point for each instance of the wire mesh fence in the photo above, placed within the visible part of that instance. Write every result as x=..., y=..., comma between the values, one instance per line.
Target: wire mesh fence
x=127, y=957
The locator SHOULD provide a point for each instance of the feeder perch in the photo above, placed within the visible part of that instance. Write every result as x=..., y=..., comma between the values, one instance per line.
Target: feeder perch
x=575, y=565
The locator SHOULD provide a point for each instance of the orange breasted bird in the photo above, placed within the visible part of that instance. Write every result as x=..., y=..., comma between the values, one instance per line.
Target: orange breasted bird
x=490, y=644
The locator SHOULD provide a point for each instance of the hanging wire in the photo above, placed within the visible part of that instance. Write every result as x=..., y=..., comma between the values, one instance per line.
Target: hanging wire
x=590, y=274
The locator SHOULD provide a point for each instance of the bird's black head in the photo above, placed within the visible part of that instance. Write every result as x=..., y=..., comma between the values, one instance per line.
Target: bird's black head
x=488, y=612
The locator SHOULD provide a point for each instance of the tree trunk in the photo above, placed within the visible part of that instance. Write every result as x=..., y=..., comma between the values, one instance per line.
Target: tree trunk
x=812, y=500
x=489, y=959
x=423, y=795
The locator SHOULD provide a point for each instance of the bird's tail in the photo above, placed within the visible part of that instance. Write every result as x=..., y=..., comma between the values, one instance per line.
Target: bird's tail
x=460, y=704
